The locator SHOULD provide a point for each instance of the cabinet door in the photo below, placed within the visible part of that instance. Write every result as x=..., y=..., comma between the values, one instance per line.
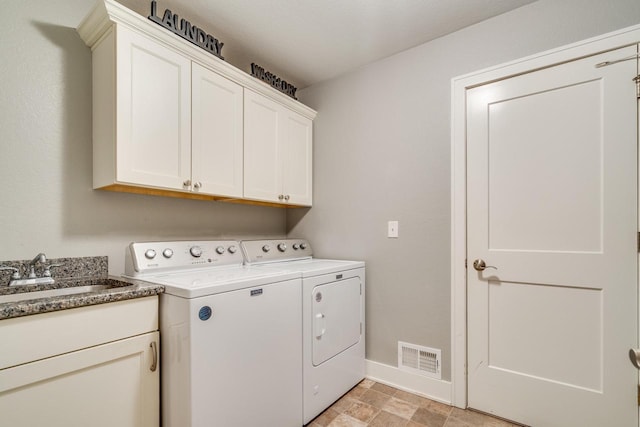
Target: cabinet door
x=296, y=149
x=153, y=113
x=262, y=178
x=217, y=133
x=107, y=385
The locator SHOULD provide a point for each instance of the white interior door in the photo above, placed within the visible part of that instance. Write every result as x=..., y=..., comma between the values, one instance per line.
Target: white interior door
x=552, y=205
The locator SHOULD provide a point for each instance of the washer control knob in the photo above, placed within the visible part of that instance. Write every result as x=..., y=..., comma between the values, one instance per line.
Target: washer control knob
x=266, y=248
x=220, y=250
x=296, y=246
x=232, y=249
x=167, y=253
x=196, y=251
x=303, y=246
x=282, y=247
x=150, y=254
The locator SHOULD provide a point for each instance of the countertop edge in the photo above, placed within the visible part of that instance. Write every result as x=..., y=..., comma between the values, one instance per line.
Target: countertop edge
x=137, y=289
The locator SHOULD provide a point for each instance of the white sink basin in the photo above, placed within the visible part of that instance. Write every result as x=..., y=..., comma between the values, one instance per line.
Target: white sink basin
x=24, y=296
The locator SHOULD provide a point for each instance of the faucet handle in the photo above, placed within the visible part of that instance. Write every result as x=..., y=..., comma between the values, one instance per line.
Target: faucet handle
x=16, y=272
x=47, y=269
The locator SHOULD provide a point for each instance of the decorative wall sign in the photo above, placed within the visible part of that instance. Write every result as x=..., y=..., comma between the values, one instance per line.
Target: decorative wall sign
x=186, y=30
x=273, y=80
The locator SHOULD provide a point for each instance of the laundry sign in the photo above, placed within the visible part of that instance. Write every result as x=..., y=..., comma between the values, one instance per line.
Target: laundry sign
x=273, y=80
x=180, y=26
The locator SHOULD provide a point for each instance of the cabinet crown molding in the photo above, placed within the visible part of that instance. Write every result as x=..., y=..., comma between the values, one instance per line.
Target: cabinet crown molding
x=108, y=13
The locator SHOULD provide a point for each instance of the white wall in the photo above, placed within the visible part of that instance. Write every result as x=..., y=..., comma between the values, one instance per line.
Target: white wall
x=382, y=152
x=46, y=201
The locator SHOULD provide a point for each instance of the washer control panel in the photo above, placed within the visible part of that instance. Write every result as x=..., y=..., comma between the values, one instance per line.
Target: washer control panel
x=151, y=257
x=257, y=251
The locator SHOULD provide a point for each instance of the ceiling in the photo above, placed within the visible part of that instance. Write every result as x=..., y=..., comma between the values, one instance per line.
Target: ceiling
x=308, y=41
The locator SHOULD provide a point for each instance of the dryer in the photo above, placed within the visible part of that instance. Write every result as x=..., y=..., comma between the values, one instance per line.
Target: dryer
x=333, y=318
x=231, y=335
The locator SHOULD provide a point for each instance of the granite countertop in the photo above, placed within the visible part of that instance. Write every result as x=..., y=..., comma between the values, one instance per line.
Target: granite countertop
x=117, y=291
x=85, y=271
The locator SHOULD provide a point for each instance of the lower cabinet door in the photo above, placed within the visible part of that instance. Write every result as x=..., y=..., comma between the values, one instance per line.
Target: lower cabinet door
x=114, y=384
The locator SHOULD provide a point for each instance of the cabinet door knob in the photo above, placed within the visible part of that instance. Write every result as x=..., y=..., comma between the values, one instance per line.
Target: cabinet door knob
x=286, y=197
x=280, y=196
x=187, y=183
x=197, y=185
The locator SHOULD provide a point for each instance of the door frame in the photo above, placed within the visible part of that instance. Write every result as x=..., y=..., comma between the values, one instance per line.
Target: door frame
x=459, y=86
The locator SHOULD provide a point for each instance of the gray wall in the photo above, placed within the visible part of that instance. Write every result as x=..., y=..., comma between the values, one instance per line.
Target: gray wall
x=46, y=201
x=382, y=152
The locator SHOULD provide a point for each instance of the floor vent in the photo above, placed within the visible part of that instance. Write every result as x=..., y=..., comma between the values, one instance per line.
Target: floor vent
x=420, y=360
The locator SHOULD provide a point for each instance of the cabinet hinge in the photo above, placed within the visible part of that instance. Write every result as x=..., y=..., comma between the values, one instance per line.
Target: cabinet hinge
x=361, y=334
x=638, y=242
x=465, y=260
x=639, y=395
x=637, y=80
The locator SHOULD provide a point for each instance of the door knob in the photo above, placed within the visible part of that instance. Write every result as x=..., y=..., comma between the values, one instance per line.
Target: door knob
x=634, y=355
x=480, y=265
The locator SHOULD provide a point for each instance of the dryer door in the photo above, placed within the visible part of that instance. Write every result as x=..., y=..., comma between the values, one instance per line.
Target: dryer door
x=336, y=318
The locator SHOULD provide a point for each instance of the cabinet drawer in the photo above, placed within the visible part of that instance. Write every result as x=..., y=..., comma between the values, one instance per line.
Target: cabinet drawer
x=29, y=338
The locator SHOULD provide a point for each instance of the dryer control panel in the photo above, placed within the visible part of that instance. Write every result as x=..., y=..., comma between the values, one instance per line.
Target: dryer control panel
x=258, y=251
x=154, y=257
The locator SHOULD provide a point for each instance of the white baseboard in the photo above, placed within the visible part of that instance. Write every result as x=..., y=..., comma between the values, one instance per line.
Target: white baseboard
x=419, y=384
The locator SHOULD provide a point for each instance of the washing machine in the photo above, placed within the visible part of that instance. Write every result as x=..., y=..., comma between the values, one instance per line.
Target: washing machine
x=231, y=335
x=333, y=318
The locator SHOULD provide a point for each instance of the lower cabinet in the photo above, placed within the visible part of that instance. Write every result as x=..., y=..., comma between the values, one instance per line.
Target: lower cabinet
x=111, y=384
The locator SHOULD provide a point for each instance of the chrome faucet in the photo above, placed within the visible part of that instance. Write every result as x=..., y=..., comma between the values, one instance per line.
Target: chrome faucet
x=40, y=258
x=30, y=277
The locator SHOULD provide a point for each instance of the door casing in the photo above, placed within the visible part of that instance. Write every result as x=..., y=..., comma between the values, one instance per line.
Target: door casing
x=459, y=86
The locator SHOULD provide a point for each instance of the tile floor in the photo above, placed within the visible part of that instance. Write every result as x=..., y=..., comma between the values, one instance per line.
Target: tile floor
x=377, y=405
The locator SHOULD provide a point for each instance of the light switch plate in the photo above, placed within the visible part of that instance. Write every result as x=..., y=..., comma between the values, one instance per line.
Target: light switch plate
x=392, y=230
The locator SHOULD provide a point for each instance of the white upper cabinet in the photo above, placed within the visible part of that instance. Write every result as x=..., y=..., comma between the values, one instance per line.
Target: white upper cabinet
x=171, y=119
x=153, y=113
x=277, y=152
x=263, y=180
x=216, y=129
x=297, y=158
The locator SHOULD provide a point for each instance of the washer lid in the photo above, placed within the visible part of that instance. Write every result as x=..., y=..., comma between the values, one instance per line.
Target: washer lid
x=212, y=281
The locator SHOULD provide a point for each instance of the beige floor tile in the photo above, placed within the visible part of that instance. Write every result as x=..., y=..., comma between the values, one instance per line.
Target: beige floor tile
x=454, y=422
x=367, y=383
x=386, y=419
x=400, y=408
x=440, y=408
x=362, y=411
x=357, y=392
x=382, y=388
x=473, y=418
x=428, y=418
x=375, y=398
x=343, y=420
x=343, y=404
x=411, y=398
x=325, y=418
